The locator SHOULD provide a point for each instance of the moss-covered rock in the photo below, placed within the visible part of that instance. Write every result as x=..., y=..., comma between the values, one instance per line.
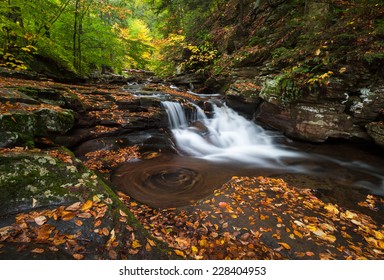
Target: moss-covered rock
x=50, y=197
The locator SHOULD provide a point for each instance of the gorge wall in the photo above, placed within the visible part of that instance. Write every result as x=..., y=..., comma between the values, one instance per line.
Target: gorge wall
x=311, y=69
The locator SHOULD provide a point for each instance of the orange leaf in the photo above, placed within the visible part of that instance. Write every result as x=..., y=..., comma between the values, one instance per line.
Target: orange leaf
x=87, y=205
x=68, y=216
x=285, y=245
x=78, y=256
x=179, y=253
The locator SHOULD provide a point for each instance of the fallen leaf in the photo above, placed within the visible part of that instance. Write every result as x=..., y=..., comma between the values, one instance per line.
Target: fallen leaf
x=73, y=207
x=87, y=205
x=122, y=213
x=112, y=254
x=179, y=253
x=285, y=245
x=78, y=256
x=151, y=242
x=69, y=216
x=38, y=250
x=40, y=220
x=136, y=244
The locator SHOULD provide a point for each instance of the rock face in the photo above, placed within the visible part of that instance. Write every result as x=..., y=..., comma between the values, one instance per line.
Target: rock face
x=338, y=110
x=376, y=131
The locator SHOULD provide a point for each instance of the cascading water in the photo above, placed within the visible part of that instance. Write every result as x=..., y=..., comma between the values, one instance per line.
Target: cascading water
x=227, y=137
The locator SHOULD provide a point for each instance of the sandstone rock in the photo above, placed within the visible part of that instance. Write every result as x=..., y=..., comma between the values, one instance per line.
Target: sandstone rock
x=311, y=122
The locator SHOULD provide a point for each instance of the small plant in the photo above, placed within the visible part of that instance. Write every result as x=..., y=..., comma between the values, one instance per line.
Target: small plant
x=296, y=81
x=18, y=59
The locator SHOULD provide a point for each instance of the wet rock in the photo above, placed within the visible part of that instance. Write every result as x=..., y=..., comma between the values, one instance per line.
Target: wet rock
x=376, y=131
x=21, y=123
x=243, y=96
x=311, y=122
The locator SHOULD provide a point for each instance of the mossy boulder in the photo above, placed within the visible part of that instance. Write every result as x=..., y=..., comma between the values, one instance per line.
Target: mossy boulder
x=53, y=207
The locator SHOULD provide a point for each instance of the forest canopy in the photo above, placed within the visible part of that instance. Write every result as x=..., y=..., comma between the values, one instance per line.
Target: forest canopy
x=169, y=36
x=85, y=36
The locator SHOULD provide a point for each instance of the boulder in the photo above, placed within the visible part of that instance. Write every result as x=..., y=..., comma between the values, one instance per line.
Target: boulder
x=53, y=207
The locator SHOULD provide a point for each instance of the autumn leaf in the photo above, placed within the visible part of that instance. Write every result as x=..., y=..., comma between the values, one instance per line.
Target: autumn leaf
x=136, y=244
x=68, y=216
x=122, y=213
x=73, y=207
x=87, y=205
x=285, y=245
x=38, y=250
x=78, y=256
x=151, y=242
x=40, y=220
x=179, y=253
x=331, y=208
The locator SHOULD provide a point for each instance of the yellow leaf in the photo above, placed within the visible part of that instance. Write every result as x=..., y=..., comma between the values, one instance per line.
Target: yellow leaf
x=203, y=242
x=87, y=205
x=136, y=244
x=378, y=234
x=148, y=247
x=331, y=208
x=96, y=199
x=194, y=249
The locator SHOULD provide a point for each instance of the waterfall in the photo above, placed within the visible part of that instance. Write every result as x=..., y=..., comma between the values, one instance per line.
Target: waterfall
x=226, y=137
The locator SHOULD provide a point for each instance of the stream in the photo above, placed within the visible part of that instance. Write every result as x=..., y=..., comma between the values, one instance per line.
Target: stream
x=211, y=149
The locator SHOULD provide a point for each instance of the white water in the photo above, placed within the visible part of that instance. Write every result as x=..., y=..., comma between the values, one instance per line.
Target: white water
x=227, y=137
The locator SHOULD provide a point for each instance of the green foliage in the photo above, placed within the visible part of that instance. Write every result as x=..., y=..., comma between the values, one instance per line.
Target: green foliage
x=294, y=82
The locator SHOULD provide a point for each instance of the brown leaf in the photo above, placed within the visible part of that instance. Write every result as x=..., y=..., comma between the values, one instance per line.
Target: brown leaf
x=84, y=215
x=151, y=242
x=78, y=223
x=112, y=254
x=38, y=250
x=73, y=207
x=122, y=213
